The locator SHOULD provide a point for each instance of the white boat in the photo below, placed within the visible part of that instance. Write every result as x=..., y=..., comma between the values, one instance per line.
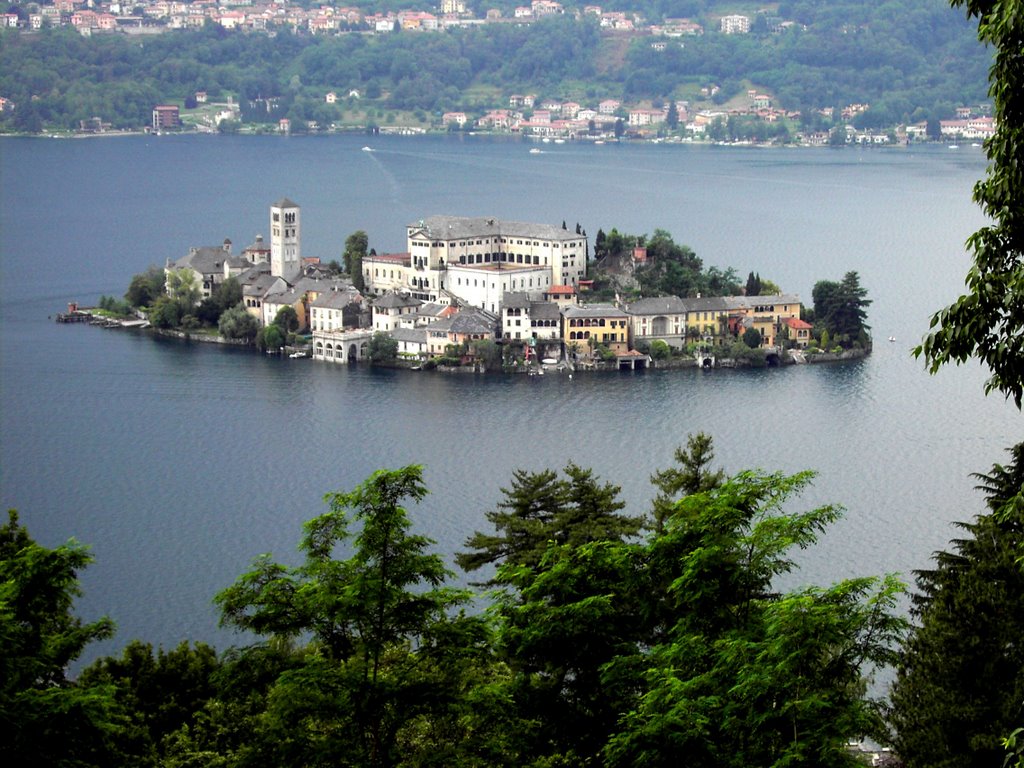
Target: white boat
x=599, y=141
x=294, y=355
x=954, y=146
x=892, y=338
x=367, y=149
x=549, y=361
x=535, y=151
x=559, y=141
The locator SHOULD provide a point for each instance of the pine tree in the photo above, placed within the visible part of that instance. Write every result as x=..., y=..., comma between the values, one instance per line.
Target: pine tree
x=960, y=684
x=694, y=475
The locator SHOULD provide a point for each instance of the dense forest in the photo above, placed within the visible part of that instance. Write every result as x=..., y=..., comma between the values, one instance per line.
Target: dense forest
x=909, y=60
x=612, y=639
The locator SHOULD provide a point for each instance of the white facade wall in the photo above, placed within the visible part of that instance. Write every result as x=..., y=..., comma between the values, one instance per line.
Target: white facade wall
x=484, y=287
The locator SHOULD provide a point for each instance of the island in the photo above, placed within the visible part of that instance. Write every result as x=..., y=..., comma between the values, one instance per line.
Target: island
x=484, y=294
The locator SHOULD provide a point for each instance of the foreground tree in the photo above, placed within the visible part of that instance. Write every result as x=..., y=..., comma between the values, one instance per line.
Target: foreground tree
x=46, y=719
x=960, y=682
x=693, y=475
x=737, y=674
x=386, y=645
x=987, y=322
x=159, y=691
x=540, y=508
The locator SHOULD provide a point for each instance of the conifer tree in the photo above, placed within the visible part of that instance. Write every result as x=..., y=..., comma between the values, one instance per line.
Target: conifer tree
x=960, y=682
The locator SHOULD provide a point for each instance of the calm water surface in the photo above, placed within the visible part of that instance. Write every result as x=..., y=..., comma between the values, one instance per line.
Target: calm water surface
x=179, y=463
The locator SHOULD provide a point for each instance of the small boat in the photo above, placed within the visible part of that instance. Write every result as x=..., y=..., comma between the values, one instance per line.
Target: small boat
x=295, y=355
x=599, y=141
x=559, y=141
x=535, y=151
x=892, y=338
x=549, y=361
x=954, y=146
x=367, y=149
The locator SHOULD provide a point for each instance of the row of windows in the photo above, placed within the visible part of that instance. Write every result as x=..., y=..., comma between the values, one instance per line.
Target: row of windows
x=488, y=241
x=613, y=337
x=494, y=286
x=487, y=258
x=589, y=322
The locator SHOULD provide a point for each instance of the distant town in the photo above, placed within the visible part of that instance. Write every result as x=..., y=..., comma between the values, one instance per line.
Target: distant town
x=751, y=116
x=469, y=293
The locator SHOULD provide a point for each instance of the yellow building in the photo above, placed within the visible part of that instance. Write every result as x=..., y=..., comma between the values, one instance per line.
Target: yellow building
x=595, y=324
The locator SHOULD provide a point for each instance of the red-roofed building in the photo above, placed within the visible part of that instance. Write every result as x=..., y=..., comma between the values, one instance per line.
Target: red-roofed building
x=562, y=295
x=799, y=331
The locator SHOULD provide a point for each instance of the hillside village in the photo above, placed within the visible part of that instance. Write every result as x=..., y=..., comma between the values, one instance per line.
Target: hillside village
x=467, y=286
x=754, y=116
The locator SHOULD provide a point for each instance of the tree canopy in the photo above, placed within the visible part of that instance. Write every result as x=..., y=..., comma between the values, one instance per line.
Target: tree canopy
x=45, y=718
x=901, y=57
x=839, y=308
x=960, y=680
x=987, y=321
x=611, y=642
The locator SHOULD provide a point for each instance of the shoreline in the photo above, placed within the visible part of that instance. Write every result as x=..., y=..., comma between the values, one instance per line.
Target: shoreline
x=89, y=316
x=417, y=132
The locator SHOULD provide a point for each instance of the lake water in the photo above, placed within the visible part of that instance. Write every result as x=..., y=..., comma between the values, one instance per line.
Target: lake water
x=178, y=463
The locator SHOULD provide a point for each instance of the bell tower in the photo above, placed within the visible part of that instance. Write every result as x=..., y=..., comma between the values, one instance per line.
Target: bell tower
x=285, y=238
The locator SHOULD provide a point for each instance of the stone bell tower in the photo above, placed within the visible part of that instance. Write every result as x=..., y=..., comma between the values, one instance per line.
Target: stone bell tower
x=285, y=239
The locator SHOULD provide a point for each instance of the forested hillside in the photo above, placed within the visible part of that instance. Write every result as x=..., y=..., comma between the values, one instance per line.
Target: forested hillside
x=908, y=59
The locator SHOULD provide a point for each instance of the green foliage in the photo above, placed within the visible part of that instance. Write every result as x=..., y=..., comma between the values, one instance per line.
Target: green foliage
x=740, y=675
x=987, y=322
x=753, y=285
x=46, y=719
x=226, y=295
x=356, y=246
x=960, y=681
x=693, y=475
x=660, y=350
x=382, y=348
x=287, y=319
x=840, y=307
x=182, y=287
x=488, y=353
x=160, y=692
x=752, y=338
x=115, y=307
x=145, y=288
x=386, y=642
x=539, y=508
x=237, y=323
x=884, y=55
x=272, y=337
x=164, y=313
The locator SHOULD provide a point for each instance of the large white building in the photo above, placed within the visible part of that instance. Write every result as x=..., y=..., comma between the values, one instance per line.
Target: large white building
x=735, y=24
x=449, y=253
